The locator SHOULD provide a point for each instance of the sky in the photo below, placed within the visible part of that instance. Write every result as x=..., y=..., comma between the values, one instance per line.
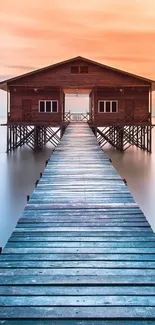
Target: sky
x=119, y=33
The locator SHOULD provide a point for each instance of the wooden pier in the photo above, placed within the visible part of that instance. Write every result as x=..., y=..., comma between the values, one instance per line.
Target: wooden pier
x=82, y=252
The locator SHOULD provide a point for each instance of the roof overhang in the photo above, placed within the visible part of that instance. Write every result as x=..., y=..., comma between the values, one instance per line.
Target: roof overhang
x=3, y=86
x=153, y=86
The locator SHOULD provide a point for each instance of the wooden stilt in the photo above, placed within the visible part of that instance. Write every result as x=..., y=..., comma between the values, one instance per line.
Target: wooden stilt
x=35, y=137
x=123, y=137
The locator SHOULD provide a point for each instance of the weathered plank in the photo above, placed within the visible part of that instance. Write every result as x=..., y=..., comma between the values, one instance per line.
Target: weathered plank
x=78, y=264
x=69, y=271
x=77, y=244
x=49, y=301
x=84, y=290
x=77, y=280
x=78, y=239
x=111, y=230
x=80, y=250
x=84, y=224
x=75, y=322
x=85, y=233
x=77, y=312
x=77, y=257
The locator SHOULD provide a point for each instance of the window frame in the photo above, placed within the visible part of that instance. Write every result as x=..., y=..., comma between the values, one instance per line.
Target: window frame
x=48, y=100
x=108, y=100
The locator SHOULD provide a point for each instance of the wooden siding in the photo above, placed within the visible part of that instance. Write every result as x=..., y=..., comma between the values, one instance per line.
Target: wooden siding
x=82, y=251
x=17, y=97
x=140, y=106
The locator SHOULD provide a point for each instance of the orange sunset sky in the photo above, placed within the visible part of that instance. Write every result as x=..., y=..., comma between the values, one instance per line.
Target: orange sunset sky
x=36, y=33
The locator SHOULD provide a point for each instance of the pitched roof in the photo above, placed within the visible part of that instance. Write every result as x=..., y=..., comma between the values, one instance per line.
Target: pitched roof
x=3, y=84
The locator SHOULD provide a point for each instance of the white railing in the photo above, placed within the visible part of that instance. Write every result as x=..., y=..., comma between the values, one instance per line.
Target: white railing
x=76, y=117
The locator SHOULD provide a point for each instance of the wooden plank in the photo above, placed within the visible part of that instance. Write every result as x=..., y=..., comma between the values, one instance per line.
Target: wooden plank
x=37, y=196
x=84, y=290
x=49, y=301
x=84, y=224
x=78, y=312
x=80, y=250
x=77, y=280
x=92, y=213
x=77, y=257
x=32, y=206
x=84, y=233
x=89, y=272
x=75, y=322
x=79, y=229
x=78, y=264
x=83, y=219
x=79, y=239
x=77, y=244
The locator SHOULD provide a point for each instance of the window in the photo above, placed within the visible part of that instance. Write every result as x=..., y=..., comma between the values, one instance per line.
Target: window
x=42, y=106
x=54, y=106
x=74, y=69
x=101, y=107
x=83, y=69
x=114, y=107
x=108, y=106
x=48, y=106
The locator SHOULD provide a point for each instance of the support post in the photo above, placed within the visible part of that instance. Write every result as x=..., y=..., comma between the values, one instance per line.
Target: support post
x=120, y=134
x=94, y=130
x=8, y=139
x=44, y=135
x=62, y=131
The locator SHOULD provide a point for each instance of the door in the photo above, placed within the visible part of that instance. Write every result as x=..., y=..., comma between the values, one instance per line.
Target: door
x=26, y=110
x=129, y=110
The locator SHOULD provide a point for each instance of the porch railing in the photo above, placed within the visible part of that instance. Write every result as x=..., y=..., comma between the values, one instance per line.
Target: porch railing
x=76, y=117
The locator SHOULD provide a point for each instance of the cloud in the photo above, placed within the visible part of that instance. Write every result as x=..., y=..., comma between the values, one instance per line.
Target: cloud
x=22, y=67
x=118, y=33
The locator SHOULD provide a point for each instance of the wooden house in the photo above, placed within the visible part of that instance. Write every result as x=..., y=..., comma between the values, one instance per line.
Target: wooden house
x=38, y=97
x=116, y=99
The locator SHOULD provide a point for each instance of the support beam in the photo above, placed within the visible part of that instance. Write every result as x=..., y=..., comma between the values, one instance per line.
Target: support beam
x=35, y=137
x=123, y=137
x=94, y=130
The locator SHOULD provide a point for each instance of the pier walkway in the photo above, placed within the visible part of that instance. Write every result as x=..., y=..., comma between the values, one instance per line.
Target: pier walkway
x=82, y=252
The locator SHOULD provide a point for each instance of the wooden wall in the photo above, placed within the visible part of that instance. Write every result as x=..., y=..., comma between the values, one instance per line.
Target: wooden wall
x=17, y=97
x=62, y=77
x=137, y=98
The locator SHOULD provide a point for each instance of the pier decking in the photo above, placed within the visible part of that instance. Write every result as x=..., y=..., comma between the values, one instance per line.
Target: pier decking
x=82, y=252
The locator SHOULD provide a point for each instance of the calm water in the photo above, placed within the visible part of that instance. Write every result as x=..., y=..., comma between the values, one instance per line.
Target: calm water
x=20, y=170
x=18, y=174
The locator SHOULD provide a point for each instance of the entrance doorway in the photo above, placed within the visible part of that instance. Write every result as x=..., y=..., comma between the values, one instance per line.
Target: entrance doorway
x=77, y=105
